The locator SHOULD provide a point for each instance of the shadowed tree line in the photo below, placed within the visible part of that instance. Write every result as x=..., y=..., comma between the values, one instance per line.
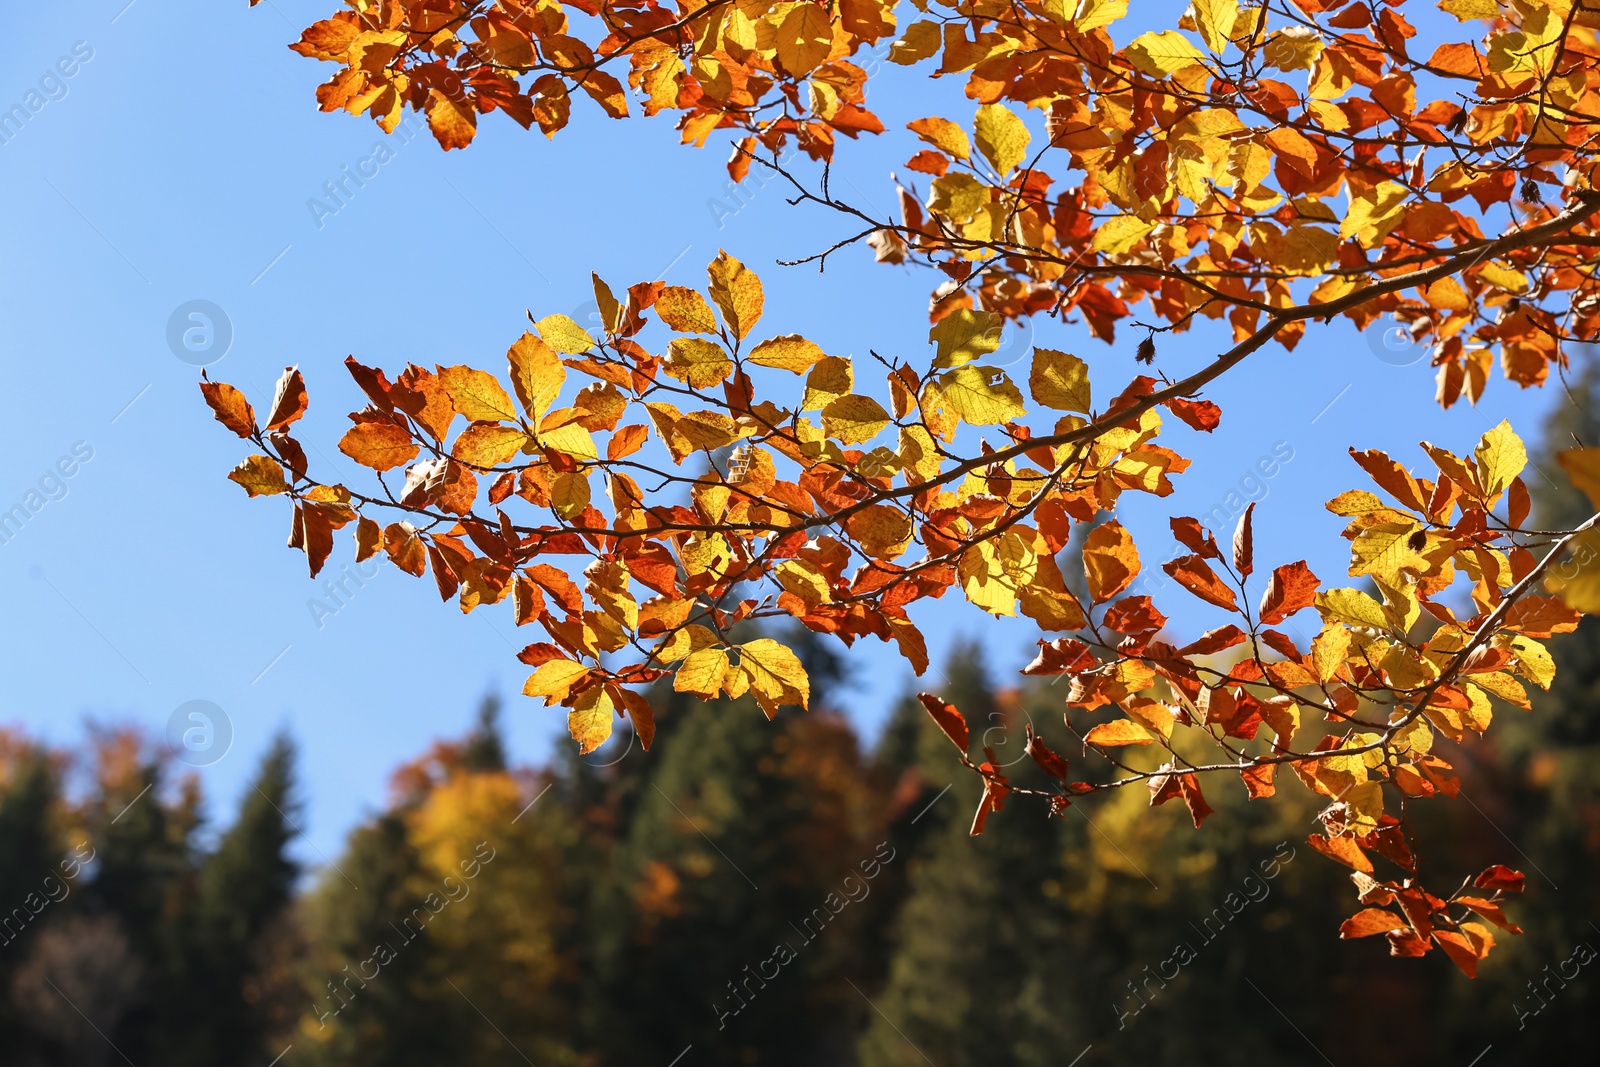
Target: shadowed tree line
x=755, y=892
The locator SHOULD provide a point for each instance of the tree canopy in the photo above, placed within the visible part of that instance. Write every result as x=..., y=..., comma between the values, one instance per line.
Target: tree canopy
x=648, y=493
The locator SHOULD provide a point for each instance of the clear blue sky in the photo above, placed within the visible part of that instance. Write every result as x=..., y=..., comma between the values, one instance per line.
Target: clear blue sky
x=177, y=164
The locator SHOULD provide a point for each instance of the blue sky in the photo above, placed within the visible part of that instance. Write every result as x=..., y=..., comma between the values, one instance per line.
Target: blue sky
x=178, y=164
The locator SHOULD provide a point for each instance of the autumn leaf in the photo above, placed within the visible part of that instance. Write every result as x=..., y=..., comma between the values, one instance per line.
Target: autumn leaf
x=1002, y=137
x=1059, y=381
x=476, y=395
x=951, y=721
x=260, y=476
x=789, y=352
x=1291, y=588
x=1194, y=575
x=288, y=400
x=1110, y=560
x=736, y=289
x=1119, y=732
x=379, y=445
x=230, y=407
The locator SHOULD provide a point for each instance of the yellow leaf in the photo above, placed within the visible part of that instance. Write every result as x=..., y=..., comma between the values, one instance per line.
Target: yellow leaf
x=1328, y=650
x=685, y=310
x=1363, y=806
x=1479, y=715
x=699, y=362
x=1351, y=606
x=1118, y=236
x=701, y=673
x=1467, y=10
x=1163, y=54
x=1512, y=281
x=1533, y=661
x=982, y=396
x=881, y=530
x=1383, y=549
x=1583, y=471
x=1059, y=380
x=831, y=378
x=569, y=494
x=1119, y=732
x=572, y=439
x=536, y=374
x=735, y=288
x=263, y=476
x=1505, y=687
x=477, y=395
x=1374, y=214
x=854, y=419
x=1294, y=48
x=921, y=40
x=554, y=680
x=1501, y=457
x=1002, y=137
x=454, y=125
x=1110, y=559
x=379, y=445
x=985, y=582
x=488, y=444
x=1092, y=14
x=789, y=352
x=776, y=675
x=959, y=197
x=1215, y=19
x=707, y=429
x=964, y=335
x=944, y=135
x=590, y=719
x=803, y=39
x=564, y=335
x=805, y=581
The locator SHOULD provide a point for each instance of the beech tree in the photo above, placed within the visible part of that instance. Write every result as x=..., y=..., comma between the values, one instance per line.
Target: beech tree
x=1268, y=168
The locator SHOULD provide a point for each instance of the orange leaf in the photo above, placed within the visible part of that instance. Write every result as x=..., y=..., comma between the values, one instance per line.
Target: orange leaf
x=230, y=407
x=1291, y=588
x=1371, y=921
x=288, y=400
x=1119, y=732
x=454, y=123
x=951, y=721
x=1194, y=575
x=379, y=445
x=1244, y=543
x=1110, y=560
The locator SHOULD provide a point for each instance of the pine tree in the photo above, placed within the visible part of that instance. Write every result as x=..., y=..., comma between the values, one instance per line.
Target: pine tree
x=244, y=887
x=980, y=935
x=31, y=878
x=729, y=919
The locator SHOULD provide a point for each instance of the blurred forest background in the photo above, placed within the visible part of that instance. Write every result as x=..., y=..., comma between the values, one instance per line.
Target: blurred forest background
x=773, y=893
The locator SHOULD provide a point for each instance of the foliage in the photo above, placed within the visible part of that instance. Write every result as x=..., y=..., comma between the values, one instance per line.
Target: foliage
x=124, y=932
x=1195, y=173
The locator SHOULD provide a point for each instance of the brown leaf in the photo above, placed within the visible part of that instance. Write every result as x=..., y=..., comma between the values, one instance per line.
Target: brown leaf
x=230, y=407
x=288, y=400
x=1194, y=575
x=1371, y=921
x=951, y=721
x=1291, y=588
x=1244, y=543
x=379, y=445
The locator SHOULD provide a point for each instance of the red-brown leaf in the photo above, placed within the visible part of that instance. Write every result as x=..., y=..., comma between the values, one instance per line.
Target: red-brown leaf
x=951, y=721
x=1291, y=588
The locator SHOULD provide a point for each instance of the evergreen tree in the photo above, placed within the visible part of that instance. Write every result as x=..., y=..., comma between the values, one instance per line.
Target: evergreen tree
x=982, y=930
x=730, y=915
x=244, y=887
